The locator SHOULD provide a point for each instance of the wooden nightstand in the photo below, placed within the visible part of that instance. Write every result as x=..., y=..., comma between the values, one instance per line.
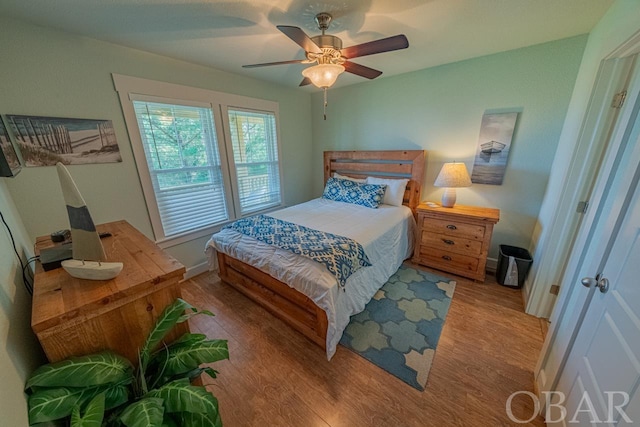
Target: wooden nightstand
x=455, y=239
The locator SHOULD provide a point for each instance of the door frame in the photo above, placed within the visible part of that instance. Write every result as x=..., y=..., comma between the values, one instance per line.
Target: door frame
x=579, y=181
x=573, y=300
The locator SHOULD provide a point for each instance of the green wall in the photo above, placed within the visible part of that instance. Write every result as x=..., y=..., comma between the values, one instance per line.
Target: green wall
x=439, y=109
x=620, y=23
x=52, y=73
x=20, y=352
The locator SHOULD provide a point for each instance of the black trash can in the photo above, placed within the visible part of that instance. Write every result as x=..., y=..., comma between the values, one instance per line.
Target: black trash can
x=522, y=259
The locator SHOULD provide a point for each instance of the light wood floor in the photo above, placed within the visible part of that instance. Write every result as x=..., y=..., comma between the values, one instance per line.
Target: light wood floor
x=275, y=377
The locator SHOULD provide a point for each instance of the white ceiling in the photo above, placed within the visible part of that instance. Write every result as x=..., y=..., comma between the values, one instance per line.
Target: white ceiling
x=227, y=34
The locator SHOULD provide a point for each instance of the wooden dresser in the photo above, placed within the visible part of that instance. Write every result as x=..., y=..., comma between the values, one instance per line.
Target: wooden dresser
x=455, y=239
x=73, y=317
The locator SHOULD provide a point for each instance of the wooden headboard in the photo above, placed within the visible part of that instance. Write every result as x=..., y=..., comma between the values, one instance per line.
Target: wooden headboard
x=383, y=164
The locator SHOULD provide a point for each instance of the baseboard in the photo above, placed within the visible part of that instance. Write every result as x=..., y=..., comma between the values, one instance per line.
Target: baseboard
x=540, y=385
x=196, y=269
x=525, y=298
x=492, y=265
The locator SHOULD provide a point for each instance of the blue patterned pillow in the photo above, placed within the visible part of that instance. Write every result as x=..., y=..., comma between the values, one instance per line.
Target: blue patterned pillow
x=343, y=190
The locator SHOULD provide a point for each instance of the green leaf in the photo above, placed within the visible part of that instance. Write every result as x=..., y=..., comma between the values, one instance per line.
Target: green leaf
x=211, y=372
x=93, y=414
x=169, y=421
x=191, y=376
x=167, y=320
x=141, y=388
x=189, y=339
x=185, y=340
x=54, y=403
x=147, y=412
x=83, y=371
x=199, y=420
x=181, y=396
x=182, y=358
x=187, y=316
x=116, y=396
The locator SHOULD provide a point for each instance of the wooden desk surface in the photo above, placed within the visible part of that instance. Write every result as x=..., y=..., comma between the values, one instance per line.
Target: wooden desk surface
x=59, y=298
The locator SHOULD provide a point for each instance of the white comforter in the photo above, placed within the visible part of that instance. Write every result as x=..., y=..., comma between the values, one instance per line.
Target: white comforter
x=386, y=234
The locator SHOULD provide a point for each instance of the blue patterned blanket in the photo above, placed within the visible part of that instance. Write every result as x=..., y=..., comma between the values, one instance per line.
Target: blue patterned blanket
x=342, y=256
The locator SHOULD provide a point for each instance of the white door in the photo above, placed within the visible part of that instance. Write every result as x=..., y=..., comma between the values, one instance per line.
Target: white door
x=601, y=377
x=600, y=380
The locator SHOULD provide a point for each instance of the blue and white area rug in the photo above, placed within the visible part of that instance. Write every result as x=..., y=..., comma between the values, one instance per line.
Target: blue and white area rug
x=400, y=327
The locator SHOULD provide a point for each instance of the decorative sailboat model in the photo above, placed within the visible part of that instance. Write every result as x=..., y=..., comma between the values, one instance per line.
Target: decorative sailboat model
x=88, y=253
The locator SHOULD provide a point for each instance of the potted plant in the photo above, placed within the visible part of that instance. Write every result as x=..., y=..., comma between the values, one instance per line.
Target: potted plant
x=106, y=389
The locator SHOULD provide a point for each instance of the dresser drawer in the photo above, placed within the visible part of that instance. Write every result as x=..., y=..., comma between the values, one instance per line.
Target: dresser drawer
x=445, y=260
x=453, y=228
x=454, y=244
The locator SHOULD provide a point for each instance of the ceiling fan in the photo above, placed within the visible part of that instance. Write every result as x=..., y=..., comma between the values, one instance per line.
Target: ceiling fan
x=332, y=60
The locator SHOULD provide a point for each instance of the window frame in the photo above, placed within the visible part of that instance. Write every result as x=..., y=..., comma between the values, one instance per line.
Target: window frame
x=151, y=196
x=232, y=164
x=139, y=89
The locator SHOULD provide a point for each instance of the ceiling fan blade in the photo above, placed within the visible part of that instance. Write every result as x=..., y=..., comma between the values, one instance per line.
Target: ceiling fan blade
x=377, y=46
x=300, y=37
x=361, y=70
x=266, y=64
x=306, y=81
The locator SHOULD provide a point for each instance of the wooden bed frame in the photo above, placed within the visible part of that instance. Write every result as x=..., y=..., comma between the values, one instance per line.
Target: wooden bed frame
x=286, y=303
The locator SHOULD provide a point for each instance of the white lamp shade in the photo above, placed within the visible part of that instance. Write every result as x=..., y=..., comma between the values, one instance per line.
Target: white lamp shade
x=453, y=175
x=323, y=75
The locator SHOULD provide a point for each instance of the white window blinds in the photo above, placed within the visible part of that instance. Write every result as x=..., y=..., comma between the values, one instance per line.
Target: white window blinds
x=184, y=164
x=204, y=158
x=255, y=154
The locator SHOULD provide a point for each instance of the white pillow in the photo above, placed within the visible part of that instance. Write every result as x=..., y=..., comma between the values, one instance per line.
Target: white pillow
x=395, y=189
x=338, y=176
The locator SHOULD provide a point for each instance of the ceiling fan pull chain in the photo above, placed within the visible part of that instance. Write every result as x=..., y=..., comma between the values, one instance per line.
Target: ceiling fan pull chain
x=325, y=103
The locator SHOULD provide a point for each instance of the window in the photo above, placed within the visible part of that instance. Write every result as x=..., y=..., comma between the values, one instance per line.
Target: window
x=184, y=164
x=201, y=164
x=255, y=154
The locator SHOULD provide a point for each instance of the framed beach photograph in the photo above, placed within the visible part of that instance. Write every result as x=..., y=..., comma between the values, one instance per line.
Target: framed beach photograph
x=44, y=141
x=9, y=161
x=494, y=143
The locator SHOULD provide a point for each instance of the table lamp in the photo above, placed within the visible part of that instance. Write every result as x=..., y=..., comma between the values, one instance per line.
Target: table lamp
x=452, y=175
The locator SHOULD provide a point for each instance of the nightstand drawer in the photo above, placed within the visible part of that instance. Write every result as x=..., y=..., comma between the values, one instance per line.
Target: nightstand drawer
x=445, y=260
x=451, y=243
x=454, y=228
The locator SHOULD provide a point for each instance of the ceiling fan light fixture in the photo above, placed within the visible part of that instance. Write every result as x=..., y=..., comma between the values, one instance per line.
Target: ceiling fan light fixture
x=323, y=75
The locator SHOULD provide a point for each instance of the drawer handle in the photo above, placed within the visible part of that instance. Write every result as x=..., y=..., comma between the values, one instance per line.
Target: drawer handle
x=448, y=242
x=452, y=227
x=446, y=257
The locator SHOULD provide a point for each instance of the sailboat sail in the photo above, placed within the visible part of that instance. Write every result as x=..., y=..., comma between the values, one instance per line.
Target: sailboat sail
x=85, y=238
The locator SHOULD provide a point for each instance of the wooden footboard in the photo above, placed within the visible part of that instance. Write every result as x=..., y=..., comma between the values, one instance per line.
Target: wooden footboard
x=284, y=302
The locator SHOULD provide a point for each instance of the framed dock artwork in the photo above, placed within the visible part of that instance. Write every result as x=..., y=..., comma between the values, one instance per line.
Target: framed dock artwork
x=494, y=143
x=45, y=141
